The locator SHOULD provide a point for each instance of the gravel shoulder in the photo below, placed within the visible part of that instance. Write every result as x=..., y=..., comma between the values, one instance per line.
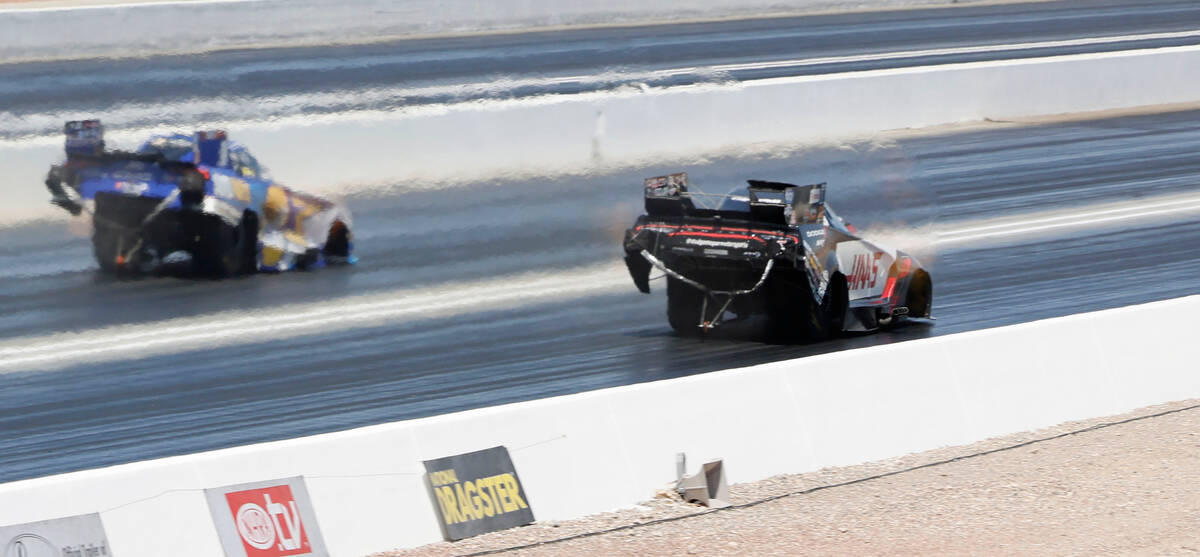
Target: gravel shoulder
x=1129, y=488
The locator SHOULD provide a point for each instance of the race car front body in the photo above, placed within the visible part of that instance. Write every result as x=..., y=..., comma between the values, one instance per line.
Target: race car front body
x=772, y=249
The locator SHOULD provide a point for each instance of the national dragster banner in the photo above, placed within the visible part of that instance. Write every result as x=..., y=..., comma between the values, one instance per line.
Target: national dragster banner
x=475, y=493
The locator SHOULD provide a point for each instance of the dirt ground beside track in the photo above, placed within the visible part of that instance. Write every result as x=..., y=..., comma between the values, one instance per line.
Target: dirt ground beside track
x=1128, y=488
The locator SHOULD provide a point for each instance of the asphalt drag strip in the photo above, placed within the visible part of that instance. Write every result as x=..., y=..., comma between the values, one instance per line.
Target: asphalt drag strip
x=168, y=365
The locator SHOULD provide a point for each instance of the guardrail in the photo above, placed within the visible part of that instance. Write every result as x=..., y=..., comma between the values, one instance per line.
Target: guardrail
x=606, y=449
x=566, y=134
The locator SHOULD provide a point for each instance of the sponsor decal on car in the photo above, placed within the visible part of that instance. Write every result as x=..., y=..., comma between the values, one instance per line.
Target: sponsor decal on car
x=73, y=536
x=266, y=519
x=864, y=272
x=670, y=185
x=477, y=492
x=716, y=243
x=131, y=188
x=818, y=276
x=241, y=190
x=865, y=267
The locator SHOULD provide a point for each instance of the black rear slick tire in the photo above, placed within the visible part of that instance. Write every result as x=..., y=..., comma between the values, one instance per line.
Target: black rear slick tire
x=684, y=306
x=227, y=251
x=112, y=248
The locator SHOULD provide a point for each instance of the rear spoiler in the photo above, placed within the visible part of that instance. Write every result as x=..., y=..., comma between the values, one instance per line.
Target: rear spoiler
x=85, y=140
x=770, y=202
x=150, y=158
x=86, y=155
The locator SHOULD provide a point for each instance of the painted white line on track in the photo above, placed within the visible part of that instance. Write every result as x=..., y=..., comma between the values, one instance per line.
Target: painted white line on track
x=1111, y=213
x=240, y=327
x=873, y=57
x=958, y=50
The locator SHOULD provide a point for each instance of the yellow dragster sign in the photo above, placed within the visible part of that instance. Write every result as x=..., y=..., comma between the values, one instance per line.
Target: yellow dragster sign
x=477, y=492
x=473, y=500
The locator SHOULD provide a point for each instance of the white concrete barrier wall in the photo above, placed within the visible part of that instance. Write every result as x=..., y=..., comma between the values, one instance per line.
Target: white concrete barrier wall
x=601, y=450
x=564, y=133
x=142, y=28
x=574, y=133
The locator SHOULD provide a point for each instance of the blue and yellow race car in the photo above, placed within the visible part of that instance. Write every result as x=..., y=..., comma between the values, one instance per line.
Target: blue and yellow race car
x=201, y=194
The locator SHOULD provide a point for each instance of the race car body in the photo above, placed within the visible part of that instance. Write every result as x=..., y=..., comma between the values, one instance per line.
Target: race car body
x=200, y=194
x=770, y=249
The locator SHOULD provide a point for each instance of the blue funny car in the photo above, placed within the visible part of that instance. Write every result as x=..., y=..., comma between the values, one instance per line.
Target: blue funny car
x=201, y=194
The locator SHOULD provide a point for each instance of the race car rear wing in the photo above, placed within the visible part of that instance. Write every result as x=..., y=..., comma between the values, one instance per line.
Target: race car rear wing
x=85, y=140
x=770, y=202
x=87, y=158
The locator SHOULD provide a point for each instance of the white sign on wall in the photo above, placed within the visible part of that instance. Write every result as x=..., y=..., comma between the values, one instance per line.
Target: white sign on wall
x=73, y=536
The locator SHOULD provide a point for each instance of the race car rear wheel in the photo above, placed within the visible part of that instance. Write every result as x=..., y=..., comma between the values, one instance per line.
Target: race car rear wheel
x=337, y=243
x=833, y=307
x=114, y=246
x=794, y=316
x=227, y=251
x=684, y=305
x=920, y=295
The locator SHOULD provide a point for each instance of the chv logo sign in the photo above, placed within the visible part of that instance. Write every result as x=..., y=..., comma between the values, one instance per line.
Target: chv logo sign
x=266, y=519
x=269, y=521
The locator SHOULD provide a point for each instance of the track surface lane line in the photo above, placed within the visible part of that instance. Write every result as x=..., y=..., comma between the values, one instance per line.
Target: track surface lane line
x=232, y=328
x=873, y=57
x=1090, y=41
x=1186, y=205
